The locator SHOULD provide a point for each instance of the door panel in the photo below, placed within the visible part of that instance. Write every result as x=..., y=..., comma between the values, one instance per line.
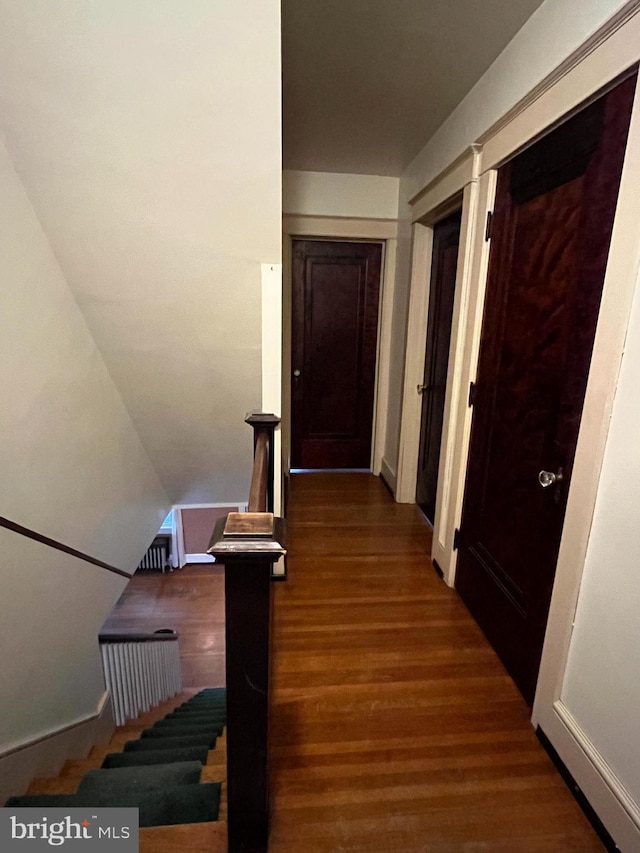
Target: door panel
x=444, y=264
x=334, y=342
x=553, y=217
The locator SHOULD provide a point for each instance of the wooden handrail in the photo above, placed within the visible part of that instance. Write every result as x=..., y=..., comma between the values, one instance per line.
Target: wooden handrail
x=60, y=546
x=137, y=636
x=249, y=544
x=259, y=478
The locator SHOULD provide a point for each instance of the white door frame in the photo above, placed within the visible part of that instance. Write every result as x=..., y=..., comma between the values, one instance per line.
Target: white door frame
x=432, y=204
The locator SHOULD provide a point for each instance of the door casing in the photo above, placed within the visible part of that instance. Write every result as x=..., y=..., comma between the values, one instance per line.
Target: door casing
x=336, y=229
x=335, y=321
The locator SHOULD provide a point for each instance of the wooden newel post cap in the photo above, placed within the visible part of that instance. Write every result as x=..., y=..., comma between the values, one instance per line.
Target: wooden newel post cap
x=256, y=419
x=248, y=534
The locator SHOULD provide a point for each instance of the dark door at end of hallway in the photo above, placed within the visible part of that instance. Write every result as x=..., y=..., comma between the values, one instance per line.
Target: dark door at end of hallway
x=335, y=293
x=553, y=218
x=444, y=264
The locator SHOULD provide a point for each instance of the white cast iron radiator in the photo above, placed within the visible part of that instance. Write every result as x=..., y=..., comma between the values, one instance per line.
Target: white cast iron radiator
x=140, y=670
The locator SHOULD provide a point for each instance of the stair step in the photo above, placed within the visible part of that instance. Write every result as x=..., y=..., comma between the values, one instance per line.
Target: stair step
x=205, y=718
x=196, y=714
x=186, y=728
x=149, y=777
x=180, y=804
x=218, y=692
x=194, y=837
x=80, y=765
x=158, y=756
x=53, y=785
x=154, y=743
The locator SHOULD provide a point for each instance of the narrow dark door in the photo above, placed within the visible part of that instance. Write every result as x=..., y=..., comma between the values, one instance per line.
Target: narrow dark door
x=552, y=225
x=333, y=352
x=446, y=239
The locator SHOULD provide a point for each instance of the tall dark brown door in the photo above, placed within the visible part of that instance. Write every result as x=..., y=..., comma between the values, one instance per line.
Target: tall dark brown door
x=333, y=352
x=446, y=239
x=552, y=225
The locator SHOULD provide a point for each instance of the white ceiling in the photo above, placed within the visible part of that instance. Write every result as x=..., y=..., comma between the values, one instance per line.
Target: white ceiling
x=367, y=82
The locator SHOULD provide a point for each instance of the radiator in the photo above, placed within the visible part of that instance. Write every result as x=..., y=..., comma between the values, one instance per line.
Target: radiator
x=157, y=557
x=140, y=675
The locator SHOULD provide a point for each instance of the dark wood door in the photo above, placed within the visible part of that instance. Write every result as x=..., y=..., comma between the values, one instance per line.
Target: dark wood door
x=444, y=263
x=552, y=225
x=333, y=352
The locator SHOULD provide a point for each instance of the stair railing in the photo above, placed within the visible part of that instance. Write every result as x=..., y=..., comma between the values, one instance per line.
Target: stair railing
x=249, y=544
x=141, y=670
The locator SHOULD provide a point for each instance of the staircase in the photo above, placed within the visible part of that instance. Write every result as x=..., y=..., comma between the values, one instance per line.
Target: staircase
x=170, y=763
x=173, y=763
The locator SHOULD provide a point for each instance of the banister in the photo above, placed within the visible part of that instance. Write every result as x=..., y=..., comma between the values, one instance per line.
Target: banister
x=263, y=424
x=60, y=546
x=259, y=478
x=249, y=544
x=137, y=636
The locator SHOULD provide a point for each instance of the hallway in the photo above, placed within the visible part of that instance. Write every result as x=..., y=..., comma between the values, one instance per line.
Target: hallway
x=394, y=725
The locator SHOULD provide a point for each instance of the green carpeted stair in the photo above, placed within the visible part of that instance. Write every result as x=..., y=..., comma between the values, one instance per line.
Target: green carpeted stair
x=159, y=773
x=206, y=740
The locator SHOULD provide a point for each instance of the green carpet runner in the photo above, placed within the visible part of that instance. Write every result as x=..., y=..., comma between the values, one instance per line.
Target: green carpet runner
x=159, y=773
x=146, y=778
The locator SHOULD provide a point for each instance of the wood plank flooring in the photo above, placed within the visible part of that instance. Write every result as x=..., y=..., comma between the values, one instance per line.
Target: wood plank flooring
x=394, y=725
x=189, y=600
x=395, y=728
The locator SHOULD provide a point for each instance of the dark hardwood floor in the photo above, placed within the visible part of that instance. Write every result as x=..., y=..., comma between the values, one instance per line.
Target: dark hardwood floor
x=189, y=600
x=394, y=725
x=395, y=728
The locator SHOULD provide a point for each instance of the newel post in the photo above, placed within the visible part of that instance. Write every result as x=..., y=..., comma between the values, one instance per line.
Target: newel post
x=249, y=544
x=264, y=425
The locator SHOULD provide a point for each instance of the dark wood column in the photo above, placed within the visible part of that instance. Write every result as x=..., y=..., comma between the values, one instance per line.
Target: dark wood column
x=249, y=544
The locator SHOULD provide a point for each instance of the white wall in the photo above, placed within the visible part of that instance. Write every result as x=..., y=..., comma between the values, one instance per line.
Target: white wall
x=602, y=681
x=73, y=469
x=147, y=136
x=53, y=608
x=556, y=29
x=332, y=194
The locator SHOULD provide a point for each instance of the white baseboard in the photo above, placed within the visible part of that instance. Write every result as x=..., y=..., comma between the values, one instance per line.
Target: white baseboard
x=198, y=558
x=613, y=804
x=45, y=754
x=389, y=476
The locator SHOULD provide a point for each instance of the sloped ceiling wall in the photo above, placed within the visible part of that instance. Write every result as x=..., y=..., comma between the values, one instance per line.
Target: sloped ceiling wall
x=147, y=136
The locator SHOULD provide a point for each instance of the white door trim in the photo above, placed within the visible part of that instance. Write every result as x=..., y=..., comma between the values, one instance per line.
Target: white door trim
x=272, y=366
x=419, y=287
x=478, y=195
x=437, y=200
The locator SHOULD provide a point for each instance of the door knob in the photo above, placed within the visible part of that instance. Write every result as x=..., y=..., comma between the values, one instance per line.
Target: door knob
x=296, y=373
x=422, y=389
x=548, y=478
